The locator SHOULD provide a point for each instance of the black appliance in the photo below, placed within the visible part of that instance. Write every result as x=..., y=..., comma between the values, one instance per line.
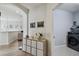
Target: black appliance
x=73, y=37
x=73, y=41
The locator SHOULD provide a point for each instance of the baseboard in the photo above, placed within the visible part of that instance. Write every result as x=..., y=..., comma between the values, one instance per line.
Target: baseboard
x=12, y=42
x=60, y=45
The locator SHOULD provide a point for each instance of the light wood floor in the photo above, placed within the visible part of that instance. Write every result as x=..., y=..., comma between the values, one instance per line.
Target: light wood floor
x=12, y=50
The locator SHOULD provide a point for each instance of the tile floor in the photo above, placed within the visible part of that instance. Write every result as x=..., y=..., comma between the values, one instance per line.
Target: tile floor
x=12, y=50
x=65, y=51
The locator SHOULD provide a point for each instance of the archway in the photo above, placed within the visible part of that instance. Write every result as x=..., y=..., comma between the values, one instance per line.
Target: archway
x=11, y=20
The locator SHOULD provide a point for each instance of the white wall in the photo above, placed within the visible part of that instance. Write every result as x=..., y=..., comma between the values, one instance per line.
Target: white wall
x=49, y=27
x=7, y=37
x=12, y=36
x=76, y=17
x=37, y=14
x=43, y=12
x=3, y=38
x=62, y=23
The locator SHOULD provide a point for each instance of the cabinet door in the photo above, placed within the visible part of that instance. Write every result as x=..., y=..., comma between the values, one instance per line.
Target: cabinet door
x=39, y=52
x=24, y=47
x=34, y=44
x=29, y=42
x=24, y=41
x=40, y=45
x=34, y=51
x=28, y=49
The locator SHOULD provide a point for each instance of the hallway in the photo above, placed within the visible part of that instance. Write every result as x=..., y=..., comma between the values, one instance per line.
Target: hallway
x=12, y=50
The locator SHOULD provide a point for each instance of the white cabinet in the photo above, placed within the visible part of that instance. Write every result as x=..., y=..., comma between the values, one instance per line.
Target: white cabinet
x=34, y=44
x=39, y=52
x=34, y=51
x=42, y=48
x=36, y=47
x=24, y=47
x=40, y=45
x=29, y=42
x=28, y=49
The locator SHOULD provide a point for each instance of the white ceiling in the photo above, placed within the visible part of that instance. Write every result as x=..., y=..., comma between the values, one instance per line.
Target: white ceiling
x=32, y=5
x=71, y=7
x=13, y=8
x=26, y=5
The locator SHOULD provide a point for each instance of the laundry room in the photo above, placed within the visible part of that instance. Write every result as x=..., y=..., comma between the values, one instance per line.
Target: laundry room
x=66, y=29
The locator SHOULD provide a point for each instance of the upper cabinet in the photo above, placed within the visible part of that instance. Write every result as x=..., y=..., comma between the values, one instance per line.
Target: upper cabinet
x=10, y=21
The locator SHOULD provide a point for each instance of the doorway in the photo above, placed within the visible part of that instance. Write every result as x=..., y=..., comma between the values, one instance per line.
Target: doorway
x=64, y=16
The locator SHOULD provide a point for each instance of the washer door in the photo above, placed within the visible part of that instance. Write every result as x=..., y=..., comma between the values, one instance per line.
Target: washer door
x=73, y=41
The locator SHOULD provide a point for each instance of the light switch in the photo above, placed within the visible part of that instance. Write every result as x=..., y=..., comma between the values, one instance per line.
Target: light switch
x=34, y=44
x=39, y=52
x=40, y=45
x=34, y=51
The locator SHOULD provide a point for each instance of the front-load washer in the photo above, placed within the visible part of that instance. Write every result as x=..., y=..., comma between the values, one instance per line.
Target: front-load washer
x=73, y=41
